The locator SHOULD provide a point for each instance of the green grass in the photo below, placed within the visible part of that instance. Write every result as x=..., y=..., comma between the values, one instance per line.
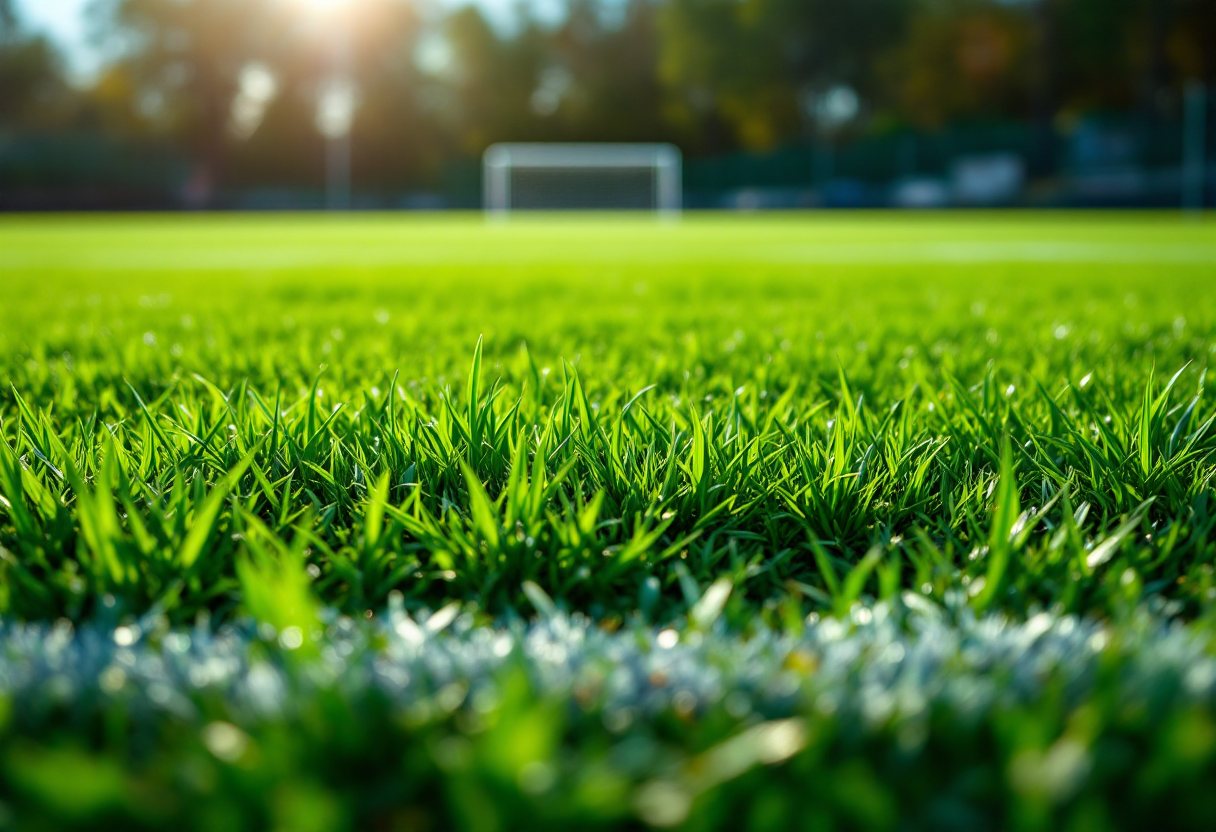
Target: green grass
x=813, y=408
x=736, y=426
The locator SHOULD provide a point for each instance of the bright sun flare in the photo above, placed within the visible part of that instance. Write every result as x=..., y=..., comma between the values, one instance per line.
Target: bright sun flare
x=325, y=5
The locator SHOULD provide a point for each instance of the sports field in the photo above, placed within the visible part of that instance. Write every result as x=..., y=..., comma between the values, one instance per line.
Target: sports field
x=763, y=522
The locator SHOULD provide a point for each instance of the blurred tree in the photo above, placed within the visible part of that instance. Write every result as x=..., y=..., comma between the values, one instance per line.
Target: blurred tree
x=1095, y=56
x=236, y=83
x=603, y=84
x=180, y=71
x=1191, y=41
x=961, y=58
x=373, y=44
x=759, y=66
x=490, y=86
x=592, y=76
x=1123, y=55
x=233, y=84
x=33, y=92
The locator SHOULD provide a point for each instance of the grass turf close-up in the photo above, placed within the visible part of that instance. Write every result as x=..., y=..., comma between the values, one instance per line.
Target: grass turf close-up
x=814, y=521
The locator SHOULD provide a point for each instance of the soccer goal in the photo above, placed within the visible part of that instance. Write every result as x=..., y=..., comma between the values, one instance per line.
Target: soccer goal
x=582, y=177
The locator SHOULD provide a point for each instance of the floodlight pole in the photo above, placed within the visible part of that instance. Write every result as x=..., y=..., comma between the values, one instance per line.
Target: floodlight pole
x=1194, y=165
x=338, y=173
x=338, y=147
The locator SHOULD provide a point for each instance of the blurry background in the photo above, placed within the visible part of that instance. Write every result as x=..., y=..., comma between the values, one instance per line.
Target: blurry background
x=776, y=103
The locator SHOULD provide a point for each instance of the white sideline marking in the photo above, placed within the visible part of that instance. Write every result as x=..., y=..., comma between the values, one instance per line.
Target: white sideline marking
x=356, y=255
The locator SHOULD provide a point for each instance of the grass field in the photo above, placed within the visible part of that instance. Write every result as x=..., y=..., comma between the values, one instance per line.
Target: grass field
x=807, y=521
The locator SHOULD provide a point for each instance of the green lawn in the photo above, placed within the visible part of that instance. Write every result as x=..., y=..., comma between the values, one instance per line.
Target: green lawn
x=741, y=428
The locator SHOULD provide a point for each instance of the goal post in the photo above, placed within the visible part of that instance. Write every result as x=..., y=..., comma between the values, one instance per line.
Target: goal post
x=582, y=177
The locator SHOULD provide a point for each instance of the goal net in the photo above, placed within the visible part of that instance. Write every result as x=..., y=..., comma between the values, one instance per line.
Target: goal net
x=582, y=177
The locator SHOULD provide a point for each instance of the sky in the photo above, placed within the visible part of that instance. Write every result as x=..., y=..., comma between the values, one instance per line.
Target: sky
x=64, y=21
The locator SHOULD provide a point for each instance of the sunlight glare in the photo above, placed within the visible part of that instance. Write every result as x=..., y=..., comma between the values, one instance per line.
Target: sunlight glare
x=325, y=6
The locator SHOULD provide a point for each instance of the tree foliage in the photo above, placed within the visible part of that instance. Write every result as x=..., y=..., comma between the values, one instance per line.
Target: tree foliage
x=437, y=84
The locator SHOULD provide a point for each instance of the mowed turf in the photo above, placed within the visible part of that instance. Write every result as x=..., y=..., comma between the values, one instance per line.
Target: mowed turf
x=873, y=522
x=818, y=408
